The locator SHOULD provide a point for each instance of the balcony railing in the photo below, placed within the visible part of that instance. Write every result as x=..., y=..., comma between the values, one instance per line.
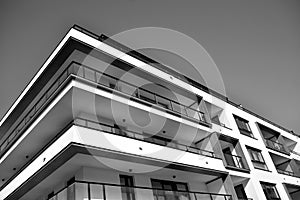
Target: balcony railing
x=104, y=80
x=234, y=161
x=289, y=173
x=295, y=152
x=104, y=191
x=141, y=136
x=275, y=146
x=220, y=124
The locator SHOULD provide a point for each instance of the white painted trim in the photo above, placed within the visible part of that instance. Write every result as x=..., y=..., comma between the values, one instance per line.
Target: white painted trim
x=56, y=100
x=38, y=163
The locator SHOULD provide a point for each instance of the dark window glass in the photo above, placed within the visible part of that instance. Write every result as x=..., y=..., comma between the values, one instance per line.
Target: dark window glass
x=257, y=158
x=270, y=191
x=243, y=126
x=167, y=190
x=127, y=189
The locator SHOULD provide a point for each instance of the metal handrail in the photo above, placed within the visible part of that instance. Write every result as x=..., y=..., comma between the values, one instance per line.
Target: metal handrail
x=103, y=191
x=62, y=78
x=289, y=173
x=275, y=145
x=140, y=136
x=137, y=94
x=220, y=124
x=237, y=161
x=34, y=110
x=295, y=152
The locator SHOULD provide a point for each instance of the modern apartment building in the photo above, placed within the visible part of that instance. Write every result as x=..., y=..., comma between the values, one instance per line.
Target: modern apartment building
x=99, y=122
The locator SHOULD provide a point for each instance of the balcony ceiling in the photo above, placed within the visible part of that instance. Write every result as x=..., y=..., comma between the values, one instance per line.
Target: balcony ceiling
x=66, y=171
x=78, y=102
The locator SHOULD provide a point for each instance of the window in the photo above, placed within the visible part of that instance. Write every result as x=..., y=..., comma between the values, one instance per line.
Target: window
x=243, y=126
x=164, y=190
x=127, y=187
x=270, y=191
x=257, y=158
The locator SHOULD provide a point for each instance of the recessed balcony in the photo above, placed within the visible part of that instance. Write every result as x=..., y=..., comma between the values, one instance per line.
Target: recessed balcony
x=273, y=140
x=240, y=184
x=285, y=165
x=234, y=161
x=233, y=156
x=275, y=145
x=293, y=190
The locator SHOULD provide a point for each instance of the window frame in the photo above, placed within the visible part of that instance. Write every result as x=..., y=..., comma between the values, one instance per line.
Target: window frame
x=260, y=161
x=242, y=130
x=265, y=186
x=128, y=189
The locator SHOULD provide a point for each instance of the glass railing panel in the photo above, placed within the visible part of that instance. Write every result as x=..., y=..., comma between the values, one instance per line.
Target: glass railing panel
x=127, y=89
x=207, y=153
x=62, y=195
x=113, y=192
x=34, y=109
x=218, y=197
x=234, y=161
x=192, y=113
x=164, y=103
x=275, y=145
x=289, y=173
x=200, y=196
x=108, y=81
x=147, y=96
x=140, y=136
x=81, y=191
x=96, y=191
x=128, y=193
x=176, y=107
x=89, y=74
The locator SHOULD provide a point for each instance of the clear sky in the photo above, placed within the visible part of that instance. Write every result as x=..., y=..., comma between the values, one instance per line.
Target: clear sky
x=255, y=44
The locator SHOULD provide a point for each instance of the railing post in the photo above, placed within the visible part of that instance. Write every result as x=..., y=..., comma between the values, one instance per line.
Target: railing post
x=171, y=106
x=186, y=113
x=89, y=191
x=83, y=72
x=155, y=98
x=95, y=73
x=104, y=194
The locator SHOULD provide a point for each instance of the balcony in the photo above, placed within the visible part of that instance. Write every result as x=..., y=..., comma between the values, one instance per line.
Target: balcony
x=91, y=191
x=233, y=156
x=106, y=82
x=234, y=161
x=217, y=122
x=293, y=190
x=285, y=172
x=285, y=165
x=275, y=146
x=141, y=136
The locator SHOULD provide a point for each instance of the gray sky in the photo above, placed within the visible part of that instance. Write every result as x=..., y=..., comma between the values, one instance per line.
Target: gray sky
x=255, y=44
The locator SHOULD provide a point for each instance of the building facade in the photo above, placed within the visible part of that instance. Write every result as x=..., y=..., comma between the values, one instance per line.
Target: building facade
x=99, y=121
